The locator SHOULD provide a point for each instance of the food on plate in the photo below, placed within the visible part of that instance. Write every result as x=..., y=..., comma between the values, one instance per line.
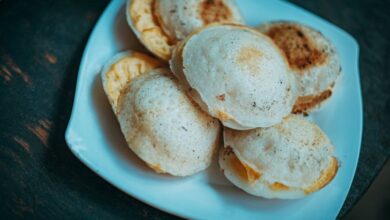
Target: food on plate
x=160, y=24
x=164, y=127
x=222, y=71
x=236, y=74
x=121, y=69
x=312, y=59
x=286, y=161
x=160, y=123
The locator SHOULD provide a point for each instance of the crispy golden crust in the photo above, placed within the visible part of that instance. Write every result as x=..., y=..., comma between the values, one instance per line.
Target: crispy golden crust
x=300, y=51
x=122, y=69
x=145, y=19
x=243, y=170
x=277, y=186
x=325, y=178
x=156, y=168
x=304, y=104
x=223, y=116
x=150, y=33
x=249, y=175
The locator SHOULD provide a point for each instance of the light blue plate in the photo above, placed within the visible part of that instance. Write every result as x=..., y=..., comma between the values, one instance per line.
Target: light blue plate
x=94, y=136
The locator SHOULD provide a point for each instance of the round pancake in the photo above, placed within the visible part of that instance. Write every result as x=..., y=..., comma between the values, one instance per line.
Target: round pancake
x=159, y=24
x=121, y=69
x=312, y=58
x=164, y=127
x=236, y=74
x=287, y=161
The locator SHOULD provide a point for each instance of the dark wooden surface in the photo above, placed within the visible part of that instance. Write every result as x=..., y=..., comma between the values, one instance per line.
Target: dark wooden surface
x=41, y=43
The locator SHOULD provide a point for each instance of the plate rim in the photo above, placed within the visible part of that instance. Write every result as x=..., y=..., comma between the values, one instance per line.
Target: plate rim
x=70, y=134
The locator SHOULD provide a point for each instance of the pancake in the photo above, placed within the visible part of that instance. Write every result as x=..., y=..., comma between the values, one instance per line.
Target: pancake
x=121, y=69
x=286, y=161
x=312, y=59
x=164, y=127
x=160, y=24
x=235, y=74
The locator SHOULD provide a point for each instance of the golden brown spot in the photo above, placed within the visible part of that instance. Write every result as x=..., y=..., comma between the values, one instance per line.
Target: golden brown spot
x=238, y=168
x=156, y=168
x=277, y=186
x=325, y=178
x=144, y=20
x=22, y=143
x=212, y=11
x=221, y=97
x=306, y=103
x=252, y=175
x=243, y=170
x=124, y=70
x=51, y=58
x=248, y=55
x=155, y=40
x=223, y=116
x=300, y=51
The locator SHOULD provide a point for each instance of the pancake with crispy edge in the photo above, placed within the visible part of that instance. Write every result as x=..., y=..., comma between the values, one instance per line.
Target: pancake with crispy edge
x=236, y=74
x=287, y=161
x=160, y=24
x=312, y=58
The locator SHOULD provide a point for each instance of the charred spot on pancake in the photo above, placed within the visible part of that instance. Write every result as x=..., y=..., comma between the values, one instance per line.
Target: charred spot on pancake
x=228, y=151
x=221, y=97
x=306, y=103
x=300, y=51
x=214, y=11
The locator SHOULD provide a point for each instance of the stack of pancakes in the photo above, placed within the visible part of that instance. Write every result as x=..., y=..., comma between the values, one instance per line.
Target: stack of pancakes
x=218, y=85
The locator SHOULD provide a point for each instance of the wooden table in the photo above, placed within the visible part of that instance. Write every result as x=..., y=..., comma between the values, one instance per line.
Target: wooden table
x=41, y=43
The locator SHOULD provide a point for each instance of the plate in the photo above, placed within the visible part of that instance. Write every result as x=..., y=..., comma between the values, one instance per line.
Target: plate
x=94, y=136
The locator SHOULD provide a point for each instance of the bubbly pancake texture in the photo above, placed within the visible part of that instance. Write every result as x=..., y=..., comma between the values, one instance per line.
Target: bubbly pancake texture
x=164, y=127
x=289, y=160
x=160, y=24
x=236, y=74
x=121, y=69
x=312, y=58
